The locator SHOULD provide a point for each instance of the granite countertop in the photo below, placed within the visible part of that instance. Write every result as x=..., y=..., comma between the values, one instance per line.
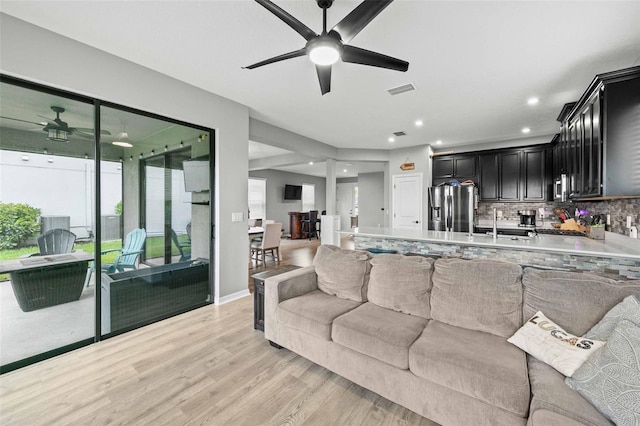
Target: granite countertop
x=614, y=245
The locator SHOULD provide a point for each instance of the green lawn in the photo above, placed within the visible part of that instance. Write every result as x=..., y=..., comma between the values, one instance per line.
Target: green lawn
x=154, y=248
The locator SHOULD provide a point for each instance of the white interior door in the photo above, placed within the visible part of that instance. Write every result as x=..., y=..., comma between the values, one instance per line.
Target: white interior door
x=344, y=202
x=407, y=201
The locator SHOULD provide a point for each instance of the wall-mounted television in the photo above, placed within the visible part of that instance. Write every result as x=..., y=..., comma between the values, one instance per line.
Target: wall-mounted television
x=196, y=175
x=293, y=192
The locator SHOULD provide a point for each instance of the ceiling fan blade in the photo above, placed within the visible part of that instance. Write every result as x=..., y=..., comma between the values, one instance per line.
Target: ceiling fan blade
x=359, y=17
x=356, y=55
x=324, y=76
x=49, y=120
x=90, y=131
x=282, y=57
x=288, y=19
x=24, y=121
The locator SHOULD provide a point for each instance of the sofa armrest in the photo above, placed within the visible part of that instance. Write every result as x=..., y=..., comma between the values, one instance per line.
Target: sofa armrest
x=281, y=287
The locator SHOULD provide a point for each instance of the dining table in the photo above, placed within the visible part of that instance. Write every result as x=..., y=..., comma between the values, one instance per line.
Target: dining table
x=254, y=232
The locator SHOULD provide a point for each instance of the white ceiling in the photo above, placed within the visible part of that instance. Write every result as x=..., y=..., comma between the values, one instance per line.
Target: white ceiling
x=474, y=63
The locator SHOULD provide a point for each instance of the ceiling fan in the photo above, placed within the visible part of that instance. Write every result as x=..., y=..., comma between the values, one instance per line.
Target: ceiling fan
x=58, y=130
x=325, y=49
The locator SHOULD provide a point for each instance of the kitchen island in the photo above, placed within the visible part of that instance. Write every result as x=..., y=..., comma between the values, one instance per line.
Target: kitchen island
x=616, y=256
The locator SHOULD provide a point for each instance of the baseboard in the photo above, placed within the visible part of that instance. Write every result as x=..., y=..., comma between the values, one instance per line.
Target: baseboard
x=231, y=297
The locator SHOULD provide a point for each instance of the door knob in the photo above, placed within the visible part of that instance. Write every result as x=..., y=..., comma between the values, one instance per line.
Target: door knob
x=417, y=221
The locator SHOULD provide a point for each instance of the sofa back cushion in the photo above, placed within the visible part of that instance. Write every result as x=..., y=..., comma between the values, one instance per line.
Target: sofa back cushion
x=481, y=294
x=401, y=283
x=576, y=301
x=343, y=273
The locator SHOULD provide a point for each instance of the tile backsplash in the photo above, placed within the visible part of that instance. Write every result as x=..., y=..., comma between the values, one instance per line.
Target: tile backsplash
x=618, y=209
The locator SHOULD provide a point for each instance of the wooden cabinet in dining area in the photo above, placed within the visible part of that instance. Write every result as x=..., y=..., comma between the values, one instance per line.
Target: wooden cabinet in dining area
x=295, y=224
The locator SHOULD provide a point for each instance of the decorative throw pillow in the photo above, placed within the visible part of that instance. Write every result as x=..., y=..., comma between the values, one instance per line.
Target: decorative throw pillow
x=343, y=273
x=401, y=283
x=628, y=309
x=610, y=379
x=546, y=341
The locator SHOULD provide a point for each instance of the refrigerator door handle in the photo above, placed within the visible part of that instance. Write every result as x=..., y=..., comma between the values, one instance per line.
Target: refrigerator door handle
x=449, y=221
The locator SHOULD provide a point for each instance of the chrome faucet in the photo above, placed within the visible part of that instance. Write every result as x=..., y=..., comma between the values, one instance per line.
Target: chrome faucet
x=495, y=224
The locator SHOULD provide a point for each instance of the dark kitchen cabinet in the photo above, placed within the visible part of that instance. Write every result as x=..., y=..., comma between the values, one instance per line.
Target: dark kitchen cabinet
x=536, y=178
x=460, y=167
x=597, y=146
x=500, y=175
x=516, y=174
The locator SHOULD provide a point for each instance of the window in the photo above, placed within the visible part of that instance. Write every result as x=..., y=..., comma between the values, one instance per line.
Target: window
x=257, y=198
x=308, y=197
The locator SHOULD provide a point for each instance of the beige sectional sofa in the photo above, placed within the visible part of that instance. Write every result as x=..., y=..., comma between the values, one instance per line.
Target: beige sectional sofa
x=432, y=336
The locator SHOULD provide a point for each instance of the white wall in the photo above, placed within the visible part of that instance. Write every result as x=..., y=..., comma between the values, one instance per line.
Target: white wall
x=371, y=199
x=28, y=52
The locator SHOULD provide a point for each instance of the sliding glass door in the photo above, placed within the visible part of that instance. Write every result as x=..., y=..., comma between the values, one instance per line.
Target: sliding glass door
x=164, y=248
x=105, y=220
x=47, y=207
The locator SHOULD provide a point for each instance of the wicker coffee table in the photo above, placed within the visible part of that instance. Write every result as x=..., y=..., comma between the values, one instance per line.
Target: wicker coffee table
x=42, y=281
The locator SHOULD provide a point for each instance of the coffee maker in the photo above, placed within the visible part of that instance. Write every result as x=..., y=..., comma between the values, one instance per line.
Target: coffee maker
x=527, y=218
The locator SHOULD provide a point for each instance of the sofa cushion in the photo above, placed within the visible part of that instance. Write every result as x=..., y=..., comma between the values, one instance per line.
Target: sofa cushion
x=401, y=283
x=610, y=379
x=474, y=363
x=551, y=393
x=550, y=418
x=628, y=309
x=379, y=333
x=482, y=294
x=344, y=273
x=314, y=312
x=575, y=300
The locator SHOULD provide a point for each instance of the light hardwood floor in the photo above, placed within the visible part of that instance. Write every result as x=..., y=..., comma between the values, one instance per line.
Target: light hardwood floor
x=205, y=367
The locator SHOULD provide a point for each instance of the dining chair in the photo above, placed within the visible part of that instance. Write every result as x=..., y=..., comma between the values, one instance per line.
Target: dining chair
x=127, y=255
x=319, y=221
x=270, y=243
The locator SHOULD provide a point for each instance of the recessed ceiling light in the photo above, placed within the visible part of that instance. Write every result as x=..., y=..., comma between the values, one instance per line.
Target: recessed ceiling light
x=533, y=101
x=349, y=164
x=419, y=123
x=438, y=142
x=526, y=130
x=392, y=140
x=311, y=163
x=345, y=170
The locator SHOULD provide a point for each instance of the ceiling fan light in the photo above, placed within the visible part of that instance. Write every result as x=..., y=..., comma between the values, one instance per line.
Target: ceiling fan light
x=57, y=135
x=324, y=55
x=122, y=140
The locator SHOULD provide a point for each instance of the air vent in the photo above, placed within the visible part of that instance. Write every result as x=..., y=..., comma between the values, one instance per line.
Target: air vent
x=400, y=134
x=401, y=89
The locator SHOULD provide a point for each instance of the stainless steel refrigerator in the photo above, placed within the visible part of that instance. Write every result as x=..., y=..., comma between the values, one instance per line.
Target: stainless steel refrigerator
x=452, y=208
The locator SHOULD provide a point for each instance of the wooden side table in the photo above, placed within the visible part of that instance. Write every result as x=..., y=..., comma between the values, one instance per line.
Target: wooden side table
x=258, y=293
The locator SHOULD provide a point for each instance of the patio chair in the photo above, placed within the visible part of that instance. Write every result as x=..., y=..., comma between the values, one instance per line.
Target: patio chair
x=127, y=257
x=55, y=241
x=184, y=247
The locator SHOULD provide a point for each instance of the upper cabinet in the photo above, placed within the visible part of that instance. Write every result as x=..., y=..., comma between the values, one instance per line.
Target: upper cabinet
x=515, y=174
x=460, y=167
x=597, y=147
x=520, y=174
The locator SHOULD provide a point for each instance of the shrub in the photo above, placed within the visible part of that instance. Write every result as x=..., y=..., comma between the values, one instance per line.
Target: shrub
x=17, y=223
x=118, y=208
